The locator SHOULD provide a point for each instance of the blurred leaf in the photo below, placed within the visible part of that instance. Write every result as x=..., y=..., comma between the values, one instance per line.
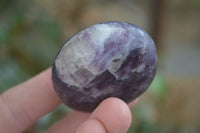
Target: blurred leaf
x=143, y=119
x=159, y=86
x=11, y=74
x=52, y=117
x=144, y=112
x=4, y=34
x=49, y=28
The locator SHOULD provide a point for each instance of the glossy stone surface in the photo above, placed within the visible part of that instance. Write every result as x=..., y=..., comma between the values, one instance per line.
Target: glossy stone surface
x=111, y=59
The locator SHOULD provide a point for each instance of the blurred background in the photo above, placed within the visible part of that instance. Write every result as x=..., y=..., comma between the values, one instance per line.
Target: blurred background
x=32, y=32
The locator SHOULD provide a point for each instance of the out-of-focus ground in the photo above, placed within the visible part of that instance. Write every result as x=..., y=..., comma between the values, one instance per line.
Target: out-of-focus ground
x=31, y=34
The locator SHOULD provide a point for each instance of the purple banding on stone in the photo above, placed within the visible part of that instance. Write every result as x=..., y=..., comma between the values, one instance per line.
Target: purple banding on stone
x=111, y=59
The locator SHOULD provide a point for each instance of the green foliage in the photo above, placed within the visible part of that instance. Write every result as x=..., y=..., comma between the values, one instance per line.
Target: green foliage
x=49, y=119
x=144, y=113
x=11, y=74
x=158, y=87
x=28, y=41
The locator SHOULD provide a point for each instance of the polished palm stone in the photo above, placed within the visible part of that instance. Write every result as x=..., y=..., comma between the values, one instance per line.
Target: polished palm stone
x=111, y=59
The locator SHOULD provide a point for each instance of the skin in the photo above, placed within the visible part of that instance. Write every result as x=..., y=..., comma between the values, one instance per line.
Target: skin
x=22, y=105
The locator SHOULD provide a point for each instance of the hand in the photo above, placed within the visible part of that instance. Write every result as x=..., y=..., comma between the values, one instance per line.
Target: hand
x=24, y=104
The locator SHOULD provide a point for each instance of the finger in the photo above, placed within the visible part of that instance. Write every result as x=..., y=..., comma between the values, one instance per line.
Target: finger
x=24, y=104
x=111, y=116
x=69, y=123
x=72, y=121
x=91, y=126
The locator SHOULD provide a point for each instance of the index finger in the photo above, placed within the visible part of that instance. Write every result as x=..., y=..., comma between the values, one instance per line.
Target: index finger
x=22, y=105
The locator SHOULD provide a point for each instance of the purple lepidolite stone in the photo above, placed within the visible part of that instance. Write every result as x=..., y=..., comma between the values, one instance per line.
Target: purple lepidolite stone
x=111, y=59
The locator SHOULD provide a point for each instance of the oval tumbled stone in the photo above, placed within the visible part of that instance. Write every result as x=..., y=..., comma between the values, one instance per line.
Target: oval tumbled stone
x=111, y=59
